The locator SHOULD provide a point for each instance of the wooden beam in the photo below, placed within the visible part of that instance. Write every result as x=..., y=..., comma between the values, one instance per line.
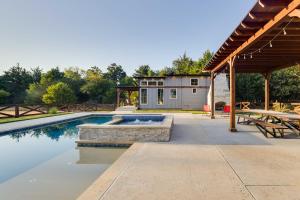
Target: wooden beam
x=232, y=127
x=272, y=23
x=212, y=96
x=267, y=90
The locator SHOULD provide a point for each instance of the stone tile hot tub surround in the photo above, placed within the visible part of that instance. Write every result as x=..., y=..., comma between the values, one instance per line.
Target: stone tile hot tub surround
x=114, y=133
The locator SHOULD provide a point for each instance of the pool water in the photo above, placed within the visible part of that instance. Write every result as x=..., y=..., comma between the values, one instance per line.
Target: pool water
x=44, y=163
x=141, y=120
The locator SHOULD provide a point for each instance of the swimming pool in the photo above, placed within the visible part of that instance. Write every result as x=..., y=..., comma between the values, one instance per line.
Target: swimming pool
x=44, y=163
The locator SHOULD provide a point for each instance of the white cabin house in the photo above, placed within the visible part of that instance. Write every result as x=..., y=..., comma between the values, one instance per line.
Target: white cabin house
x=185, y=92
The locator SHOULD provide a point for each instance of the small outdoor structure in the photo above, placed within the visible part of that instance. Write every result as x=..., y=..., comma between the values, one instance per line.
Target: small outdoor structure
x=127, y=129
x=267, y=39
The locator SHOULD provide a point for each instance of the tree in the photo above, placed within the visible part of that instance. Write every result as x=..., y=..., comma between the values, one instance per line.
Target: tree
x=59, y=94
x=15, y=81
x=100, y=91
x=206, y=57
x=115, y=73
x=34, y=94
x=36, y=74
x=3, y=96
x=144, y=70
x=93, y=74
x=51, y=77
x=285, y=84
x=73, y=76
x=183, y=65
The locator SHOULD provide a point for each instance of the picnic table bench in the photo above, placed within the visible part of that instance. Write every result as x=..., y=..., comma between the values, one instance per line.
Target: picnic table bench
x=263, y=126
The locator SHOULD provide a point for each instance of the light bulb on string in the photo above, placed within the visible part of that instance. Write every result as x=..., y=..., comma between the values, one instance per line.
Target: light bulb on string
x=259, y=50
x=251, y=56
x=271, y=44
x=284, y=32
x=244, y=57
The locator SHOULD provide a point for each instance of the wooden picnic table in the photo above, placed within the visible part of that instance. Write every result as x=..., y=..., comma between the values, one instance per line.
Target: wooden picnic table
x=292, y=121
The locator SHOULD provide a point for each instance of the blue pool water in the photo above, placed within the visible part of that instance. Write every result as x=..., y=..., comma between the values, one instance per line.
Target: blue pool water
x=141, y=120
x=48, y=158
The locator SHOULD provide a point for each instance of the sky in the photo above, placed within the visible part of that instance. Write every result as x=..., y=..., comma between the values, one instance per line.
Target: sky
x=85, y=33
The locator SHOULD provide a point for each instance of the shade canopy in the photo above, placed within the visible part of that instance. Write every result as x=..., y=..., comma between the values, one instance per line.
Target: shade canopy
x=268, y=38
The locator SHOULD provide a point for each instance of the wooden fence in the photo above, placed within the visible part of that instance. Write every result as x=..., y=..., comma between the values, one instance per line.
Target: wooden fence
x=17, y=110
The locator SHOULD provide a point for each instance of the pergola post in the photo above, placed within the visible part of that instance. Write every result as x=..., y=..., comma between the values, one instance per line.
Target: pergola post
x=118, y=97
x=267, y=90
x=232, y=127
x=129, y=97
x=212, y=95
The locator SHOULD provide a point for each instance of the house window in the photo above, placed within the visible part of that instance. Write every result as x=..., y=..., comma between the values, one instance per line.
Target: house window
x=173, y=94
x=194, y=90
x=144, y=83
x=152, y=83
x=144, y=96
x=160, y=83
x=194, y=81
x=160, y=96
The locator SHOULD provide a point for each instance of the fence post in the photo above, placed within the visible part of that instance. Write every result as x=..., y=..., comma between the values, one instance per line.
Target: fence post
x=17, y=111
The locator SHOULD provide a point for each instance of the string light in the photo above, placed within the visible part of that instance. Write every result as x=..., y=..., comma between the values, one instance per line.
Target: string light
x=259, y=50
x=284, y=32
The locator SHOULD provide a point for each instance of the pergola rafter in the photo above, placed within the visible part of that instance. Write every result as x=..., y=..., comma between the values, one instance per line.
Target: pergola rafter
x=267, y=39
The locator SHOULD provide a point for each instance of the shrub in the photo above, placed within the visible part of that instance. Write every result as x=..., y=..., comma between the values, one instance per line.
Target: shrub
x=53, y=110
x=3, y=96
x=59, y=94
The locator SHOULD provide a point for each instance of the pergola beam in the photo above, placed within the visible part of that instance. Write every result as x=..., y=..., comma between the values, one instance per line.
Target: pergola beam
x=272, y=23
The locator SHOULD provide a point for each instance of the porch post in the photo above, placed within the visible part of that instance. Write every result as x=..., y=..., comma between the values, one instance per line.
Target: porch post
x=129, y=97
x=212, y=95
x=232, y=127
x=267, y=90
x=118, y=97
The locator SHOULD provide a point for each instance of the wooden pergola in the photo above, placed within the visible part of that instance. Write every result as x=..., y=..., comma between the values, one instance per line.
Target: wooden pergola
x=128, y=89
x=267, y=39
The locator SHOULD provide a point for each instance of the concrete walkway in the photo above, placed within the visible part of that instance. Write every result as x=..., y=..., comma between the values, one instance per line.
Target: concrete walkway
x=204, y=161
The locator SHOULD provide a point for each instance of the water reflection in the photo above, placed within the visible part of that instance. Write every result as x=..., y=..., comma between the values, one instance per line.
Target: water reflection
x=56, y=131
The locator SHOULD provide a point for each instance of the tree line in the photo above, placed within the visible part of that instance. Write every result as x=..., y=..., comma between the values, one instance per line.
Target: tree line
x=19, y=85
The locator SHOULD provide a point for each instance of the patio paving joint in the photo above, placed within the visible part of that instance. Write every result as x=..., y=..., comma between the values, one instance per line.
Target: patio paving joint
x=222, y=155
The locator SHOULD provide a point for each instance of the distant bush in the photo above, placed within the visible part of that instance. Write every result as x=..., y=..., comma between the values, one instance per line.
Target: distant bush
x=3, y=96
x=53, y=110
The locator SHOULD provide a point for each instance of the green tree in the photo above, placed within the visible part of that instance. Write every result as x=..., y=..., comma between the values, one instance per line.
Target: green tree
x=15, y=81
x=36, y=74
x=59, y=94
x=54, y=75
x=144, y=70
x=93, y=74
x=3, y=96
x=73, y=76
x=115, y=73
x=34, y=94
x=183, y=65
x=100, y=91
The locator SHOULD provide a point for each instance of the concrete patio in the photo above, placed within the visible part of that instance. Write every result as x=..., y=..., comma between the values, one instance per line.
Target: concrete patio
x=204, y=161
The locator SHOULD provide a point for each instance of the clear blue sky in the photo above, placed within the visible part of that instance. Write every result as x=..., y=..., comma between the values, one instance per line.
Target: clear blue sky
x=64, y=33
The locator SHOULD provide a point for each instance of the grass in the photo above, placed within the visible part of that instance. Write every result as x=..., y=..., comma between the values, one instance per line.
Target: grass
x=12, y=119
x=171, y=111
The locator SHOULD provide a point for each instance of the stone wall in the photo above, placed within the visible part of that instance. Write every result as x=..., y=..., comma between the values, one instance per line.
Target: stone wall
x=118, y=134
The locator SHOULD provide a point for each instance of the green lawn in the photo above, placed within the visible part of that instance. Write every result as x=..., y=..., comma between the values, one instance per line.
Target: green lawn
x=12, y=119
x=171, y=111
